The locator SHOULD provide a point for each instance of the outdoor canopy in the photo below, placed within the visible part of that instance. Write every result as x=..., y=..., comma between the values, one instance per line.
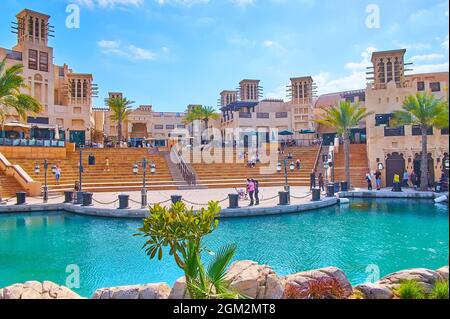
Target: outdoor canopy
x=285, y=132
x=307, y=131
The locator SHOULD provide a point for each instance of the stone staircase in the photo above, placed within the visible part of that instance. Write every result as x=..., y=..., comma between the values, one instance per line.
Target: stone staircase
x=358, y=165
x=232, y=174
x=97, y=178
x=177, y=176
x=8, y=186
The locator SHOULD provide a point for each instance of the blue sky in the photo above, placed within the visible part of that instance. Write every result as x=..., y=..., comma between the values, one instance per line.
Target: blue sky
x=171, y=53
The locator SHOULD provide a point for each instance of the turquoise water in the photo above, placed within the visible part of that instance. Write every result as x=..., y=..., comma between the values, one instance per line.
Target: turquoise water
x=391, y=234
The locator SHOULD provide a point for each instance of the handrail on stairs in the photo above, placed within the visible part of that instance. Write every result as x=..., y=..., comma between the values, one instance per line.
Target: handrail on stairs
x=186, y=171
x=316, y=162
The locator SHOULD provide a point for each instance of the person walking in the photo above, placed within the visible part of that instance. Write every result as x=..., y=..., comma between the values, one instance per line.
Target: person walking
x=107, y=164
x=321, y=186
x=378, y=179
x=298, y=164
x=405, y=178
x=369, y=181
x=256, y=183
x=57, y=174
x=250, y=190
x=312, y=180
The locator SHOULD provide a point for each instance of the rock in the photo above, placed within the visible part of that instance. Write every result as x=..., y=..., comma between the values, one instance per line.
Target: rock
x=179, y=289
x=331, y=281
x=1, y=293
x=154, y=291
x=375, y=291
x=147, y=291
x=443, y=272
x=37, y=290
x=425, y=277
x=13, y=292
x=250, y=279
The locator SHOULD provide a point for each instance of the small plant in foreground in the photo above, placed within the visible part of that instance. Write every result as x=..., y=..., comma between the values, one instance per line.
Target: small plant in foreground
x=320, y=288
x=410, y=289
x=181, y=230
x=440, y=290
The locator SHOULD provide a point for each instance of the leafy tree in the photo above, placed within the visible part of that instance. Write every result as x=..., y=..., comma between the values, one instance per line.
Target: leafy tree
x=426, y=111
x=181, y=231
x=121, y=109
x=343, y=118
x=11, y=82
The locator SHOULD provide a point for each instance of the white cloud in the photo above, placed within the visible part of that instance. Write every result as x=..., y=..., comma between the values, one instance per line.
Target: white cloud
x=427, y=57
x=108, y=3
x=445, y=43
x=186, y=3
x=417, y=45
x=326, y=83
x=428, y=68
x=129, y=51
x=278, y=93
x=243, y=3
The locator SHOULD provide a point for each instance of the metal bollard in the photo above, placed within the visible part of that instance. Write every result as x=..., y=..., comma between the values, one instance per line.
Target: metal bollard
x=284, y=198
x=316, y=194
x=21, y=198
x=233, y=200
x=175, y=198
x=344, y=186
x=79, y=198
x=330, y=190
x=87, y=199
x=336, y=187
x=123, y=201
x=68, y=196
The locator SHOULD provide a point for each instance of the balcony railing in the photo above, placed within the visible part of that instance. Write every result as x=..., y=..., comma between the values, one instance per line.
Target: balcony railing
x=245, y=115
x=416, y=130
x=4, y=141
x=394, y=131
x=262, y=115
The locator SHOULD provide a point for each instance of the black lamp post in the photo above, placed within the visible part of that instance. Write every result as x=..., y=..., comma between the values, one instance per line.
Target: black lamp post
x=80, y=170
x=37, y=170
x=144, y=190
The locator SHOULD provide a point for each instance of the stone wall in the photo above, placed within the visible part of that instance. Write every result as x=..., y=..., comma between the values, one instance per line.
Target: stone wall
x=251, y=280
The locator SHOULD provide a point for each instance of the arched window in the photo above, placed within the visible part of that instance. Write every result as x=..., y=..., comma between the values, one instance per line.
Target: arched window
x=397, y=70
x=30, y=25
x=72, y=88
x=85, y=88
x=78, y=88
x=389, y=71
x=43, y=29
x=382, y=75
x=36, y=27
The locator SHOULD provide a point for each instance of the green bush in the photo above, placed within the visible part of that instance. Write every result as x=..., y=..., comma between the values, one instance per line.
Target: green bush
x=181, y=230
x=410, y=289
x=440, y=290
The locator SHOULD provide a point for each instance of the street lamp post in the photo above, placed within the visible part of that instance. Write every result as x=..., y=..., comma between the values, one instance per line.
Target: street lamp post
x=80, y=170
x=37, y=170
x=144, y=190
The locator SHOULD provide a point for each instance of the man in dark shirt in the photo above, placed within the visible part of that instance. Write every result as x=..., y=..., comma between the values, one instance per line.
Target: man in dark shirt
x=312, y=180
x=378, y=179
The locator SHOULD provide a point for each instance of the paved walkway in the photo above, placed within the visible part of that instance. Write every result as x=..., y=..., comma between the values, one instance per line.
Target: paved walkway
x=196, y=198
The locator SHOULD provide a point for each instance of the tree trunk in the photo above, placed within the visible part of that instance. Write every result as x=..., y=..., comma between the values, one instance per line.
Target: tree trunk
x=119, y=130
x=424, y=161
x=347, y=158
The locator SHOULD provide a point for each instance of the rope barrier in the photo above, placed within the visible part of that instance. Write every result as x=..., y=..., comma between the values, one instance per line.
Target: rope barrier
x=104, y=203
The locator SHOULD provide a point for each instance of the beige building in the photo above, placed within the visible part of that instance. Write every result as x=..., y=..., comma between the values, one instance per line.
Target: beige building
x=65, y=95
x=143, y=124
x=399, y=148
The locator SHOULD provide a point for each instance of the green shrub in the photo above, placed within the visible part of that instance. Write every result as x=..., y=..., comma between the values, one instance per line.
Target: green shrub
x=179, y=231
x=440, y=290
x=410, y=289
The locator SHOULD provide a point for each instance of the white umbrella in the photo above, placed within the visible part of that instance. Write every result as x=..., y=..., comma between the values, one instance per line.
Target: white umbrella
x=56, y=132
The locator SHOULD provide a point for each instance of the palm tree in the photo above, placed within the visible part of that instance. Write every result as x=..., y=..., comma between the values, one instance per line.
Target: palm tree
x=343, y=118
x=193, y=114
x=209, y=284
x=11, y=81
x=426, y=111
x=209, y=113
x=120, y=108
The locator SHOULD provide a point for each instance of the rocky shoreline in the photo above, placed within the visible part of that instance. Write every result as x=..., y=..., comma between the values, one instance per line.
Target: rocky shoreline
x=250, y=279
